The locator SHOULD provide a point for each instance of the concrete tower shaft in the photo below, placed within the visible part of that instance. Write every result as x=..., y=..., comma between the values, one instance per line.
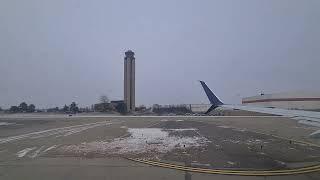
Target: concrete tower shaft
x=129, y=80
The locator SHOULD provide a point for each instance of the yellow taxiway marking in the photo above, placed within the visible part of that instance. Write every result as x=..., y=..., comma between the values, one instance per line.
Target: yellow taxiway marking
x=301, y=170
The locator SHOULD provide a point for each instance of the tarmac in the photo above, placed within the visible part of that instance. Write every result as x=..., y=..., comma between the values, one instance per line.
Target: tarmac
x=156, y=147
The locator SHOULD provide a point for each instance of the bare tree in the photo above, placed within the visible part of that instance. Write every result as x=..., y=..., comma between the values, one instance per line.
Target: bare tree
x=74, y=108
x=104, y=99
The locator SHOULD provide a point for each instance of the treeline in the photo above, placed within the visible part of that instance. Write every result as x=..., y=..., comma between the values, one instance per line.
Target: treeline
x=176, y=109
x=109, y=107
x=72, y=108
x=23, y=107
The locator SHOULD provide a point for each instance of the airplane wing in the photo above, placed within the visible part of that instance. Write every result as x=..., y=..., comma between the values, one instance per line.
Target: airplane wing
x=304, y=117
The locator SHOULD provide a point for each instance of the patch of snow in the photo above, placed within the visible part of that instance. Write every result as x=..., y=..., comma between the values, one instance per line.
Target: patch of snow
x=240, y=129
x=315, y=134
x=179, y=120
x=141, y=140
x=186, y=129
x=280, y=162
x=200, y=165
x=231, y=163
x=77, y=130
x=164, y=120
x=25, y=151
x=226, y=127
x=232, y=141
x=233, y=128
x=64, y=131
x=255, y=141
x=50, y=148
x=124, y=127
x=310, y=123
x=35, y=154
x=6, y=124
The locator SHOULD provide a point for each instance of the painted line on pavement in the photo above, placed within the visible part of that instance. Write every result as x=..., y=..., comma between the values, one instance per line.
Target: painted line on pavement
x=301, y=170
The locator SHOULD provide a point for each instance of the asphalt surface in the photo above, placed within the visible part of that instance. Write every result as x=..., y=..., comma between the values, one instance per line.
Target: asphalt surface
x=34, y=147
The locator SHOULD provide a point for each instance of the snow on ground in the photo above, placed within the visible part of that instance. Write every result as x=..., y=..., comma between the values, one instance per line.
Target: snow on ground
x=6, y=124
x=50, y=148
x=247, y=142
x=226, y=127
x=36, y=153
x=64, y=131
x=141, y=140
x=187, y=129
x=33, y=152
x=233, y=128
x=25, y=151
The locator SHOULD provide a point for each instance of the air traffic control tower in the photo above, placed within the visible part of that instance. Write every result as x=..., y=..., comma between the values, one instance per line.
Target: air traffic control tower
x=129, y=81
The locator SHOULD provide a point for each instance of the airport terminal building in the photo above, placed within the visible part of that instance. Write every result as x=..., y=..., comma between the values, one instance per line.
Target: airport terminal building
x=288, y=100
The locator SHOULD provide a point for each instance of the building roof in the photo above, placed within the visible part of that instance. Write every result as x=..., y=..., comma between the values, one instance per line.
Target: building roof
x=285, y=96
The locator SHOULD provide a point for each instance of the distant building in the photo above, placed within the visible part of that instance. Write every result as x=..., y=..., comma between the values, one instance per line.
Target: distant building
x=119, y=106
x=116, y=103
x=129, y=81
x=289, y=100
x=141, y=108
x=103, y=107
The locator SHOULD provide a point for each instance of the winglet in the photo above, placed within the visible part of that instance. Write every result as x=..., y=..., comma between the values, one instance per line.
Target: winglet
x=212, y=98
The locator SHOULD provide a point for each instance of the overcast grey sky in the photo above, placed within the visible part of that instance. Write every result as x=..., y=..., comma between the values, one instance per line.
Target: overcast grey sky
x=53, y=52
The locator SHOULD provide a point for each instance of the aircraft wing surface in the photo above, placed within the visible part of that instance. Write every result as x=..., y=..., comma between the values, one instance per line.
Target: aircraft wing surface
x=304, y=117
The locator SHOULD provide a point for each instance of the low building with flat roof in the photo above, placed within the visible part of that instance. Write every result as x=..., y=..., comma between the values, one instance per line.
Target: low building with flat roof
x=287, y=100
